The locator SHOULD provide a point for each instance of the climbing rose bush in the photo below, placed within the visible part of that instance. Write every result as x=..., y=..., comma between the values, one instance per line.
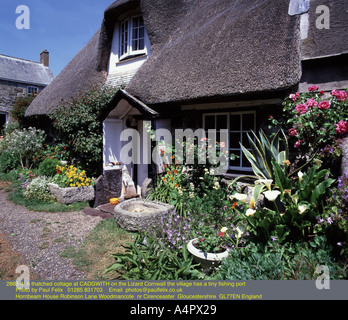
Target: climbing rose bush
x=315, y=122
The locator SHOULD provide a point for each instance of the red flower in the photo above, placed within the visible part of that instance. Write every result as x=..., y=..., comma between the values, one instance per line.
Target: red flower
x=313, y=88
x=292, y=132
x=221, y=234
x=301, y=108
x=340, y=95
x=324, y=105
x=201, y=239
x=342, y=127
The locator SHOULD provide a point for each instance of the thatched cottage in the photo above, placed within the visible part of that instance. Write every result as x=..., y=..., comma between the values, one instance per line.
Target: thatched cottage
x=208, y=64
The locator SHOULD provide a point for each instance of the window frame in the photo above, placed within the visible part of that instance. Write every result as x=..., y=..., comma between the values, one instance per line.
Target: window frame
x=32, y=87
x=237, y=151
x=129, y=46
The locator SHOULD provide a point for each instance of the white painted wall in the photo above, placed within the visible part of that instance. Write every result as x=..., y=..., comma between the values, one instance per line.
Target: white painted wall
x=122, y=71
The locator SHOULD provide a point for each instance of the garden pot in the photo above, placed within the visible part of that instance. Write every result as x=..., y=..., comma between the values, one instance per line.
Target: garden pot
x=71, y=194
x=206, y=259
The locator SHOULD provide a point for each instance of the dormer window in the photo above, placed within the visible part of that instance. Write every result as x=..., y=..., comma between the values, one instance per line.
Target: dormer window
x=132, y=37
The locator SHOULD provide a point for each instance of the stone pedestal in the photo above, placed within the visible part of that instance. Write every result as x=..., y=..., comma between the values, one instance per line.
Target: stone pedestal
x=108, y=186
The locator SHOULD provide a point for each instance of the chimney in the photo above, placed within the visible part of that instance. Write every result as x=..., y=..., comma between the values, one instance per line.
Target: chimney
x=44, y=58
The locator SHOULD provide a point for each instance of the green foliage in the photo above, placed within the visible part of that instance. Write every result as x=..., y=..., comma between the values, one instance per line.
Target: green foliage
x=300, y=202
x=280, y=262
x=20, y=106
x=8, y=162
x=48, y=167
x=148, y=259
x=315, y=123
x=39, y=189
x=80, y=125
x=25, y=143
x=264, y=152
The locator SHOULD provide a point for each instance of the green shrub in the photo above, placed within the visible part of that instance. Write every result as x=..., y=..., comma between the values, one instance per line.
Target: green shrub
x=38, y=189
x=272, y=261
x=8, y=162
x=147, y=258
x=48, y=167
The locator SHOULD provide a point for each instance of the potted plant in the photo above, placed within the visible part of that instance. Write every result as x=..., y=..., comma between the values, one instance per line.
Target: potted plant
x=211, y=247
x=71, y=184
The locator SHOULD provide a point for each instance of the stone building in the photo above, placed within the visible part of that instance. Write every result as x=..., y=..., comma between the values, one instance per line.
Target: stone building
x=20, y=77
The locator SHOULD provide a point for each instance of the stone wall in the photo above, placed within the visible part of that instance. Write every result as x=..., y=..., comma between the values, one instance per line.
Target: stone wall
x=9, y=91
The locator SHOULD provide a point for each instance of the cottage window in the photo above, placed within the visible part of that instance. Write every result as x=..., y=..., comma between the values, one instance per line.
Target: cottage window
x=32, y=90
x=132, y=37
x=3, y=120
x=238, y=124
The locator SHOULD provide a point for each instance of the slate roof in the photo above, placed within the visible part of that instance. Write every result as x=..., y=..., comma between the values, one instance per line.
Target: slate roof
x=24, y=71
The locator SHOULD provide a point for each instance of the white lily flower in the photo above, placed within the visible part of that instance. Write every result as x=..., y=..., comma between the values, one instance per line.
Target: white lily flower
x=300, y=175
x=266, y=182
x=223, y=229
x=302, y=208
x=240, y=231
x=271, y=195
x=239, y=196
x=250, y=212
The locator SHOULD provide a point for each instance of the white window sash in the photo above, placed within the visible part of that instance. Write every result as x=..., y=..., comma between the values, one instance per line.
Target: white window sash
x=237, y=151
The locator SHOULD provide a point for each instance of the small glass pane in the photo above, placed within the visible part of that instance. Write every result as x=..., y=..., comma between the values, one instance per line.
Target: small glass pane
x=245, y=140
x=248, y=121
x=235, y=122
x=209, y=122
x=234, y=140
x=141, y=44
x=235, y=162
x=221, y=122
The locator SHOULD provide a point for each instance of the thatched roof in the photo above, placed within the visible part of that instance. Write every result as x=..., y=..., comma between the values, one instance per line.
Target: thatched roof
x=199, y=49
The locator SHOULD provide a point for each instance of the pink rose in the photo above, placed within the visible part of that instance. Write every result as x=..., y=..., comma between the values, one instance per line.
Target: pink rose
x=297, y=144
x=292, y=132
x=301, y=108
x=295, y=96
x=222, y=144
x=324, y=105
x=313, y=88
x=341, y=127
x=340, y=95
x=311, y=103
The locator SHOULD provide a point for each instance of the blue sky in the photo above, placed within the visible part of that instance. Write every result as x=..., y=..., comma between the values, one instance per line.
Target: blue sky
x=62, y=27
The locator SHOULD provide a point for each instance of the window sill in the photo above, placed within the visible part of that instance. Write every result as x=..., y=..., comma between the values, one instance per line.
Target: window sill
x=131, y=58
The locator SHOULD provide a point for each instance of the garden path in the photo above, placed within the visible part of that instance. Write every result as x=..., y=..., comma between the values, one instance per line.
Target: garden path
x=39, y=238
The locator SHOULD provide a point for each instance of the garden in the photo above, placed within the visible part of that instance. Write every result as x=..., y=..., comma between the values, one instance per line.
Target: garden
x=288, y=218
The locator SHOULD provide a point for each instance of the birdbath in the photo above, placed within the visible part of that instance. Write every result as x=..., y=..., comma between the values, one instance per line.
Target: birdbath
x=139, y=214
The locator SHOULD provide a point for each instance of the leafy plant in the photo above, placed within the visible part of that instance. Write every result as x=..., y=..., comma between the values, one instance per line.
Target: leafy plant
x=8, y=162
x=148, y=259
x=314, y=123
x=20, y=106
x=81, y=127
x=264, y=152
x=48, y=167
x=38, y=189
x=24, y=143
x=300, y=202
